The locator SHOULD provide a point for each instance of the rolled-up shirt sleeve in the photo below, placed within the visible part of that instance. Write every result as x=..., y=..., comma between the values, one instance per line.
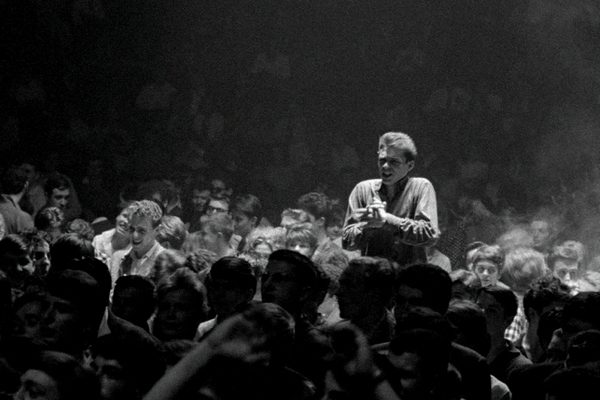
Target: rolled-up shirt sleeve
x=352, y=231
x=422, y=229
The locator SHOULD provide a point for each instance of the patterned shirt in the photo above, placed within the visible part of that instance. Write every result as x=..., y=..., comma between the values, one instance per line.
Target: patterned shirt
x=411, y=226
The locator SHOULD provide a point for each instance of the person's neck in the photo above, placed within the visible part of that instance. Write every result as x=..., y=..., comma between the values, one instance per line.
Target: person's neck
x=370, y=321
x=224, y=250
x=497, y=345
x=119, y=242
x=16, y=198
x=321, y=237
x=139, y=253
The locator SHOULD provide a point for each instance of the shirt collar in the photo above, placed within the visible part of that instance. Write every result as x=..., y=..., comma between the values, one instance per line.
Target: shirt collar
x=148, y=254
x=382, y=189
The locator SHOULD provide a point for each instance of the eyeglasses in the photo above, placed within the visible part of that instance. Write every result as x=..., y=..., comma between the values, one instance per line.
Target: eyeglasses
x=213, y=210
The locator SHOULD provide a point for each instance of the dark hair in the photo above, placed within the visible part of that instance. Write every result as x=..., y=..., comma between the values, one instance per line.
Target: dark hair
x=505, y=297
x=69, y=247
x=13, y=244
x=144, y=288
x=234, y=270
x=48, y=216
x=309, y=274
x=183, y=278
x=573, y=383
x=73, y=381
x=143, y=363
x=317, y=204
x=550, y=321
x=249, y=205
x=377, y=274
x=584, y=306
x=543, y=293
x=468, y=319
x=584, y=347
x=56, y=181
x=432, y=281
x=14, y=181
x=416, y=317
x=432, y=348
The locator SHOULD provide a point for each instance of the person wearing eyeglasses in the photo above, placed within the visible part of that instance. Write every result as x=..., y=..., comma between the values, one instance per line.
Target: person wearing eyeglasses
x=394, y=216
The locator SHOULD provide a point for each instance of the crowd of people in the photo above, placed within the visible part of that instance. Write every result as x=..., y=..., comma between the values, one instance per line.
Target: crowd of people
x=200, y=295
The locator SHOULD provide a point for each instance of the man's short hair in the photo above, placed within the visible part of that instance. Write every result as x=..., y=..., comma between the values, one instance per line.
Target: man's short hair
x=220, y=223
x=317, y=204
x=173, y=231
x=584, y=306
x=432, y=348
x=146, y=209
x=234, y=270
x=56, y=181
x=569, y=250
x=183, y=278
x=505, y=297
x=309, y=274
x=249, y=205
x=378, y=274
x=14, y=181
x=493, y=254
x=432, y=281
x=69, y=247
x=514, y=273
x=400, y=141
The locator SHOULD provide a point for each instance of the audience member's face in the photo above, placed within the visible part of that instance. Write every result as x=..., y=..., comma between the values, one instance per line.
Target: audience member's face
x=112, y=377
x=487, y=272
x=200, y=199
x=242, y=224
x=301, y=247
x=29, y=170
x=224, y=296
x=262, y=251
x=392, y=165
x=407, y=297
x=37, y=385
x=177, y=315
x=334, y=231
x=28, y=319
x=59, y=198
x=351, y=293
x=143, y=234
x=122, y=224
x=127, y=303
x=210, y=239
x=280, y=286
x=541, y=233
x=217, y=206
x=566, y=270
x=410, y=375
x=40, y=254
x=494, y=314
x=218, y=187
x=62, y=325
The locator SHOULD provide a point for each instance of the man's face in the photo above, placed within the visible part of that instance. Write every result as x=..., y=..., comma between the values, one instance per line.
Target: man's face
x=487, y=272
x=410, y=375
x=210, y=239
x=217, y=206
x=114, y=384
x=28, y=319
x=392, y=165
x=37, y=385
x=566, y=270
x=280, y=285
x=242, y=225
x=218, y=187
x=351, y=293
x=541, y=233
x=301, y=247
x=40, y=254
x=62, y=323
x=143, y=235
x=200, y=199
x=177, y=315
x=60, y=198
x=494, y=314
x=122, y=223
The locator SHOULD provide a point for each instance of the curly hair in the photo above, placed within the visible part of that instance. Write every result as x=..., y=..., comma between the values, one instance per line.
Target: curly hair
x=146, y=209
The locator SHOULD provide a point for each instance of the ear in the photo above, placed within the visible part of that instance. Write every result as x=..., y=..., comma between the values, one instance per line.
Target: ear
x=254, y=221
x=320, y=221
x=411, y=165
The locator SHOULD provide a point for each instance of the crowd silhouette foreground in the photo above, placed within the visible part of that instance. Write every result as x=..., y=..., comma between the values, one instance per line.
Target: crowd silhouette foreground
x=192, y=293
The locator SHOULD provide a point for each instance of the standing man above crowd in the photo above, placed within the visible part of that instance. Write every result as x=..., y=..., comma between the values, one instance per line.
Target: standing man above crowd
x=14, y=187
x=394, y=216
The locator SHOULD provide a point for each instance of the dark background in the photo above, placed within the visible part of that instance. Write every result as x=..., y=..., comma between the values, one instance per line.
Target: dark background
x=283, y=97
